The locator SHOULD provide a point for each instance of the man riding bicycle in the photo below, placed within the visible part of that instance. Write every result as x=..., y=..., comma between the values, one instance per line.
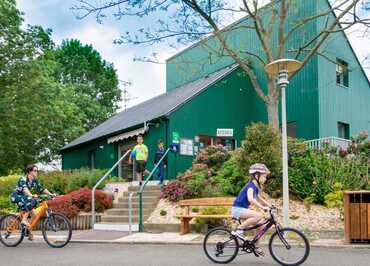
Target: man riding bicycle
x=23, y=197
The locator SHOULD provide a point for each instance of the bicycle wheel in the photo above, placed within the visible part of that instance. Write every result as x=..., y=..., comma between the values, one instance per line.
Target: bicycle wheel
x=11, y=230
x=220, y=245
x=57, y=230
x=289, y=246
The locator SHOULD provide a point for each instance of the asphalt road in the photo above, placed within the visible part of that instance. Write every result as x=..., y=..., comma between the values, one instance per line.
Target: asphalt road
x=32, y=254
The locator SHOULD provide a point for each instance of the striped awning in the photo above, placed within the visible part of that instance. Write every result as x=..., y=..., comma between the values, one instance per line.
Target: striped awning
x=126, y=135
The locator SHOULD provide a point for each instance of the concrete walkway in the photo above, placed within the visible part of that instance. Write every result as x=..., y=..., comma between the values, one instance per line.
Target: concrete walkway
x=90, y=236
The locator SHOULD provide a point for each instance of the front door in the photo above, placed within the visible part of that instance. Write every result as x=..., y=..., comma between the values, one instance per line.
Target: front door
x=125, y=169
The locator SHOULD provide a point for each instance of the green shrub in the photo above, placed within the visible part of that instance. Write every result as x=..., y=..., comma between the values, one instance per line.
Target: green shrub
x=163, y=212
x=335, y=199
x=195, y=209
x=7, y=184
x=6, y=205
x=231, y=177
x=211, y=222
x=314, y=175
x=212, y=156
x=262, y=145
x=63, y=182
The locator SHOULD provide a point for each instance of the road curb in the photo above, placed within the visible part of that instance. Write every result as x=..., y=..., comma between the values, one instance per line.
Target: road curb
x=199, y=243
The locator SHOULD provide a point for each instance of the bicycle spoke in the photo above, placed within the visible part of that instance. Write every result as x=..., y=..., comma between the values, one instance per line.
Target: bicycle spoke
x=289, y=247
x=57, y=230
x=11, y=230
x=220, y=246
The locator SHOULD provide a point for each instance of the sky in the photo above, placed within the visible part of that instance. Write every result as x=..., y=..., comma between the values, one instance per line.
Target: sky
x=147, y=79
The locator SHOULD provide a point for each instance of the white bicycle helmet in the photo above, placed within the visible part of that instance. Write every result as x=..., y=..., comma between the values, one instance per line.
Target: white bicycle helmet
x=259, y=168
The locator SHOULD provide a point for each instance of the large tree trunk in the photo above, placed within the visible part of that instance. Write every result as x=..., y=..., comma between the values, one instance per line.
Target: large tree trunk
x=273, y=113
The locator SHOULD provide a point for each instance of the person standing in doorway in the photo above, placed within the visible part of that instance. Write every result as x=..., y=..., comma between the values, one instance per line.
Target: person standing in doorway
x=140, y=154
x=163, y=164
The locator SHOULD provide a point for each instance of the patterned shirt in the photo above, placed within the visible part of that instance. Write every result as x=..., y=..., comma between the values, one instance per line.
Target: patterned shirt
x=24, y=182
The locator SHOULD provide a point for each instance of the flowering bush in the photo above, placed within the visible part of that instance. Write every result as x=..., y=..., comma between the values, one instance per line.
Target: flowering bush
x=80, y=200
x=174, y=191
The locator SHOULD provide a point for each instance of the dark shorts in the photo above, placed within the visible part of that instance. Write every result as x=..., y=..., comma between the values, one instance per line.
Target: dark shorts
x=24, y=203
x=140, y=166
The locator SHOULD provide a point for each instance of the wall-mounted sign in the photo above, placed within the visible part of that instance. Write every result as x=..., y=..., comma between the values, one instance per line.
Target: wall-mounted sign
x=175, y=137
x=225, y=132
x=186, y=147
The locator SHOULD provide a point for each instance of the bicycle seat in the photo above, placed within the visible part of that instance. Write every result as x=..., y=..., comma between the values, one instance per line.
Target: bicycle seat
x=236, y=219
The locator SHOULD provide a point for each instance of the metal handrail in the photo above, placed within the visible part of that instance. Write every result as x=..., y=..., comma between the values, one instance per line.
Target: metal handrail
x=130, y=212
x=142, y=189
x=98, y=183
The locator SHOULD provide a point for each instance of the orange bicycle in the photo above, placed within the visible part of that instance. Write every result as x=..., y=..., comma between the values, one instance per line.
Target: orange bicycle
x=56, y=228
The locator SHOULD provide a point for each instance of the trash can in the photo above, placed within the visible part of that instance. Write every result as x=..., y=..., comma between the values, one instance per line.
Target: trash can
x=357, y=216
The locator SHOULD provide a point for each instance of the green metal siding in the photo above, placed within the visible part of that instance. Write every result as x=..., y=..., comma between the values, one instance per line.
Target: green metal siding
x=105, y=156
x=302, y=93
x=230, y=103
x=207, y=56
x=338, y=103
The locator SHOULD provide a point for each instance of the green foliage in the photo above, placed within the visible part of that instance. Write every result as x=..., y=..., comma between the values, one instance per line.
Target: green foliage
x=360, y=146
x=211, y=222
x=94, y=81
x=65, y=182
x=198, y=181
x=231, y=177
x=212, y=156
x=7, y=184
x=262, y=145
x=314, y=175
x=6, y=205
x=335, y=199
x=195, y=209
x=48, y=95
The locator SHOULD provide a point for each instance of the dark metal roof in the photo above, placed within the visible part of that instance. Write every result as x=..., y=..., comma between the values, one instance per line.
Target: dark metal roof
x=156, y=107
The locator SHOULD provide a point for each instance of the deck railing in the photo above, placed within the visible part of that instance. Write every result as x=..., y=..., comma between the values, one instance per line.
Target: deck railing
x=336, y=142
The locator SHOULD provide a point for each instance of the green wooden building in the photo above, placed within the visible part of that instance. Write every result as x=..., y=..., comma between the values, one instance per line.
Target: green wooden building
x=209, y=101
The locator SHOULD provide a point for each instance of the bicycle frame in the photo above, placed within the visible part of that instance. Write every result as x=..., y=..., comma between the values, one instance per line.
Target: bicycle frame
x=41, y=211
x=267, y=225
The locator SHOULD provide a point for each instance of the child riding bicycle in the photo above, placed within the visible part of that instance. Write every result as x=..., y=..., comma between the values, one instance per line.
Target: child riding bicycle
x=251, y=195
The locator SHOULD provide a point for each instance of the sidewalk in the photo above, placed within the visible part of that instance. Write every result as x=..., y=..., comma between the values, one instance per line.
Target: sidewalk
x=109, y=237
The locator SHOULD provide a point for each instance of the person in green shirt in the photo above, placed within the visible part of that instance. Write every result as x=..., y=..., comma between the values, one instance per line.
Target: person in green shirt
x=140, y=154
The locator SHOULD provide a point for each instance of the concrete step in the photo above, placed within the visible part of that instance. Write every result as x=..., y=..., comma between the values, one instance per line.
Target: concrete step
x=121, y=218
x=147, y=188
x=124, y=227
x=126, y=194
x=135, y=205
x=136, y=199
x=125, y=211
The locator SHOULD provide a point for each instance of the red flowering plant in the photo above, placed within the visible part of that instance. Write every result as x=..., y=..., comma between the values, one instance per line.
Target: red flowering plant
x=80, y=200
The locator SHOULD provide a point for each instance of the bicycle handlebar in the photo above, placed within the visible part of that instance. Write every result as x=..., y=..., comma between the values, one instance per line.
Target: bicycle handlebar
x=42, y=198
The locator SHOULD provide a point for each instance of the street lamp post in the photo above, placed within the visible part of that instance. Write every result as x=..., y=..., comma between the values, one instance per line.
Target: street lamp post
x=282, y=68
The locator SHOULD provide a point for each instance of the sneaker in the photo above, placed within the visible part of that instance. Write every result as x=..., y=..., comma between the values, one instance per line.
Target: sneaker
x=258, y=251
x=30, y=236
x=238, y=233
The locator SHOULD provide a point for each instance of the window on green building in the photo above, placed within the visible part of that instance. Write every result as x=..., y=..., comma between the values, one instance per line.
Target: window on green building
x=342, y=73
x=343, y=130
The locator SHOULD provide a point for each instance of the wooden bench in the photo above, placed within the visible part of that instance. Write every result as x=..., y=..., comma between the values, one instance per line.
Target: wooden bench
x=214, y=202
